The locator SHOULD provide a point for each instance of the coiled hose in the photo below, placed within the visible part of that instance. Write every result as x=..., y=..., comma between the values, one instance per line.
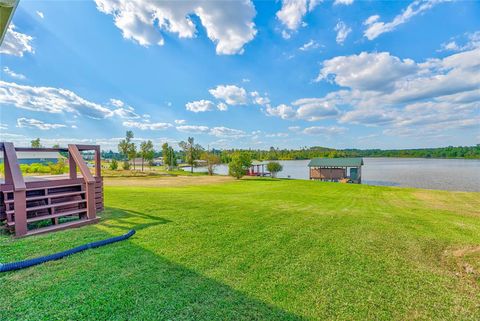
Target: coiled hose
x=39, y=260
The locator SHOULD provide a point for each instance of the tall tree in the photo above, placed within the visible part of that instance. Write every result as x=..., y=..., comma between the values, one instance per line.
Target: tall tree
x=212, y=160
x=192, y=151
x=36, y=143
x=125, y=147
x=169, y=158
x=239, y=165
x=146, y=151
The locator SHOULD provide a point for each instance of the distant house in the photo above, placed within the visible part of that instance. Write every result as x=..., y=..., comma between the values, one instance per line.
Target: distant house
x=336, y=169
x=37, y=157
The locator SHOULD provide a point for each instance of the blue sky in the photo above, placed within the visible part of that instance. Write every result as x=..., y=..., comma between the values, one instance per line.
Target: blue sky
x=344, y=74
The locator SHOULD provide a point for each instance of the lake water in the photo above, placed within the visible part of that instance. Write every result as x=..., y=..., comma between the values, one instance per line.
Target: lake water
x=443, y=174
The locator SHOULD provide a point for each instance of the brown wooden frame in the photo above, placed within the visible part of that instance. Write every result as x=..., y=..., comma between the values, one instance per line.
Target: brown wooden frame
x=87, y=189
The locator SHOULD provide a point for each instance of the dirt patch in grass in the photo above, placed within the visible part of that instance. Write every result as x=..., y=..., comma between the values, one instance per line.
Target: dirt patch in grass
x=177, y=181
x=465, y=262
x=459, y=202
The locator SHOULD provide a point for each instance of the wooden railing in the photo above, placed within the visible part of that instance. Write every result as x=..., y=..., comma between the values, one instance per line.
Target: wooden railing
x=53, y=198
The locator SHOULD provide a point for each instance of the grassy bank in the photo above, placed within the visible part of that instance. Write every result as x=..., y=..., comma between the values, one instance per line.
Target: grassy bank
x=258, y=249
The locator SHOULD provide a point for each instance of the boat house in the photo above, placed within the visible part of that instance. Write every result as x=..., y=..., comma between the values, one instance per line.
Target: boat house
x=258, y=169
x=336, y=169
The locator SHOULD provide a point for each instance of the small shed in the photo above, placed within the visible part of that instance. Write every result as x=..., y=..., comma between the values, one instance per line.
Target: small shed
x=336, y=169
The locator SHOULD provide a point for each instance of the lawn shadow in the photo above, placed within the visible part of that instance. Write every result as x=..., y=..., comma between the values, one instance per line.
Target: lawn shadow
x=124, y=281
x=129, y=219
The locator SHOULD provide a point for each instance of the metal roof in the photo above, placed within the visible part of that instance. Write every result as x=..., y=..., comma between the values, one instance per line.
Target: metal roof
x=7, y=8
x=336, y=162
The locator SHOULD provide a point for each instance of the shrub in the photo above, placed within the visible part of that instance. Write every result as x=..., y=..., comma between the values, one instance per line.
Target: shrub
x=114, y=165
x=126, y=165
x=239, y=165
x=58, y=168
x=274, y=168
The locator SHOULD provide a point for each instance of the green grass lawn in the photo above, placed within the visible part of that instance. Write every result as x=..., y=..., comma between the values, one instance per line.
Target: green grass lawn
x=258, y=250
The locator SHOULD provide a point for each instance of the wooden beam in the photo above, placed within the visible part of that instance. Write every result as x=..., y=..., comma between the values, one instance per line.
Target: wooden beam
x=12, y=166
x=13, y=175
x=88, y=178
x=77, y=157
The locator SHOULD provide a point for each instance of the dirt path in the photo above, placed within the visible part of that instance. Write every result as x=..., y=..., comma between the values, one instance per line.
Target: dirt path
x=176, y=181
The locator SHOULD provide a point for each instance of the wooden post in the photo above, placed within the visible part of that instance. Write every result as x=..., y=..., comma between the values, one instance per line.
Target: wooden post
x=13, y=175
x=88, y=178
x=98, y=162
x=72, y=167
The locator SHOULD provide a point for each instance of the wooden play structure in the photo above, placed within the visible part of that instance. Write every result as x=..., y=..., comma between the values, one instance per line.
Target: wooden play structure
x=336, y=169
x=31, y=205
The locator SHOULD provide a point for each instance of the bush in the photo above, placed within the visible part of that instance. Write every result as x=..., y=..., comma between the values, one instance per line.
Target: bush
x=274, y=168
x=239, y=165
x=126, y=165
x=58, y=168
x=114, y=165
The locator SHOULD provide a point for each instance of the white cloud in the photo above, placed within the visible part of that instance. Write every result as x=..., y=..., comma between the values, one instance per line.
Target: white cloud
x=245, y=80
x=406, y=96
x=117, y=102
x=200, y=106
x=226, y=132
x=309, y=109
x=35, y=123
x=147, y=125
x=180, y=121
x=40, y=14
x=3, y=126
x=344, y=2
x=230, y=94
x=59, y=100
x=127, y=112
x=228, y=24
x=310, y=45
x=294, y=128
x=277, y=135
x=324, y=130
x=222, y=107
x=367, y=71
x=16, y=43
x=194, y=129
x=283, y=111
x=50, y=100
x=472, y=41
x=314, y=109
x=258, y=99
x=342, y=32
x=375, y=28
x=214, y=131
x=13, y=74
x=292, y=12
x=372, y=19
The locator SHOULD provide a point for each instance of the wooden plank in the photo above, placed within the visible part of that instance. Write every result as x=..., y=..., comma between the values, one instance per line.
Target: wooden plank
x=63, y=226
x=54, y=183
x=46, y=217
x=50, y=196
x=43, y=207
x=12, y=167
x=77, y=157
